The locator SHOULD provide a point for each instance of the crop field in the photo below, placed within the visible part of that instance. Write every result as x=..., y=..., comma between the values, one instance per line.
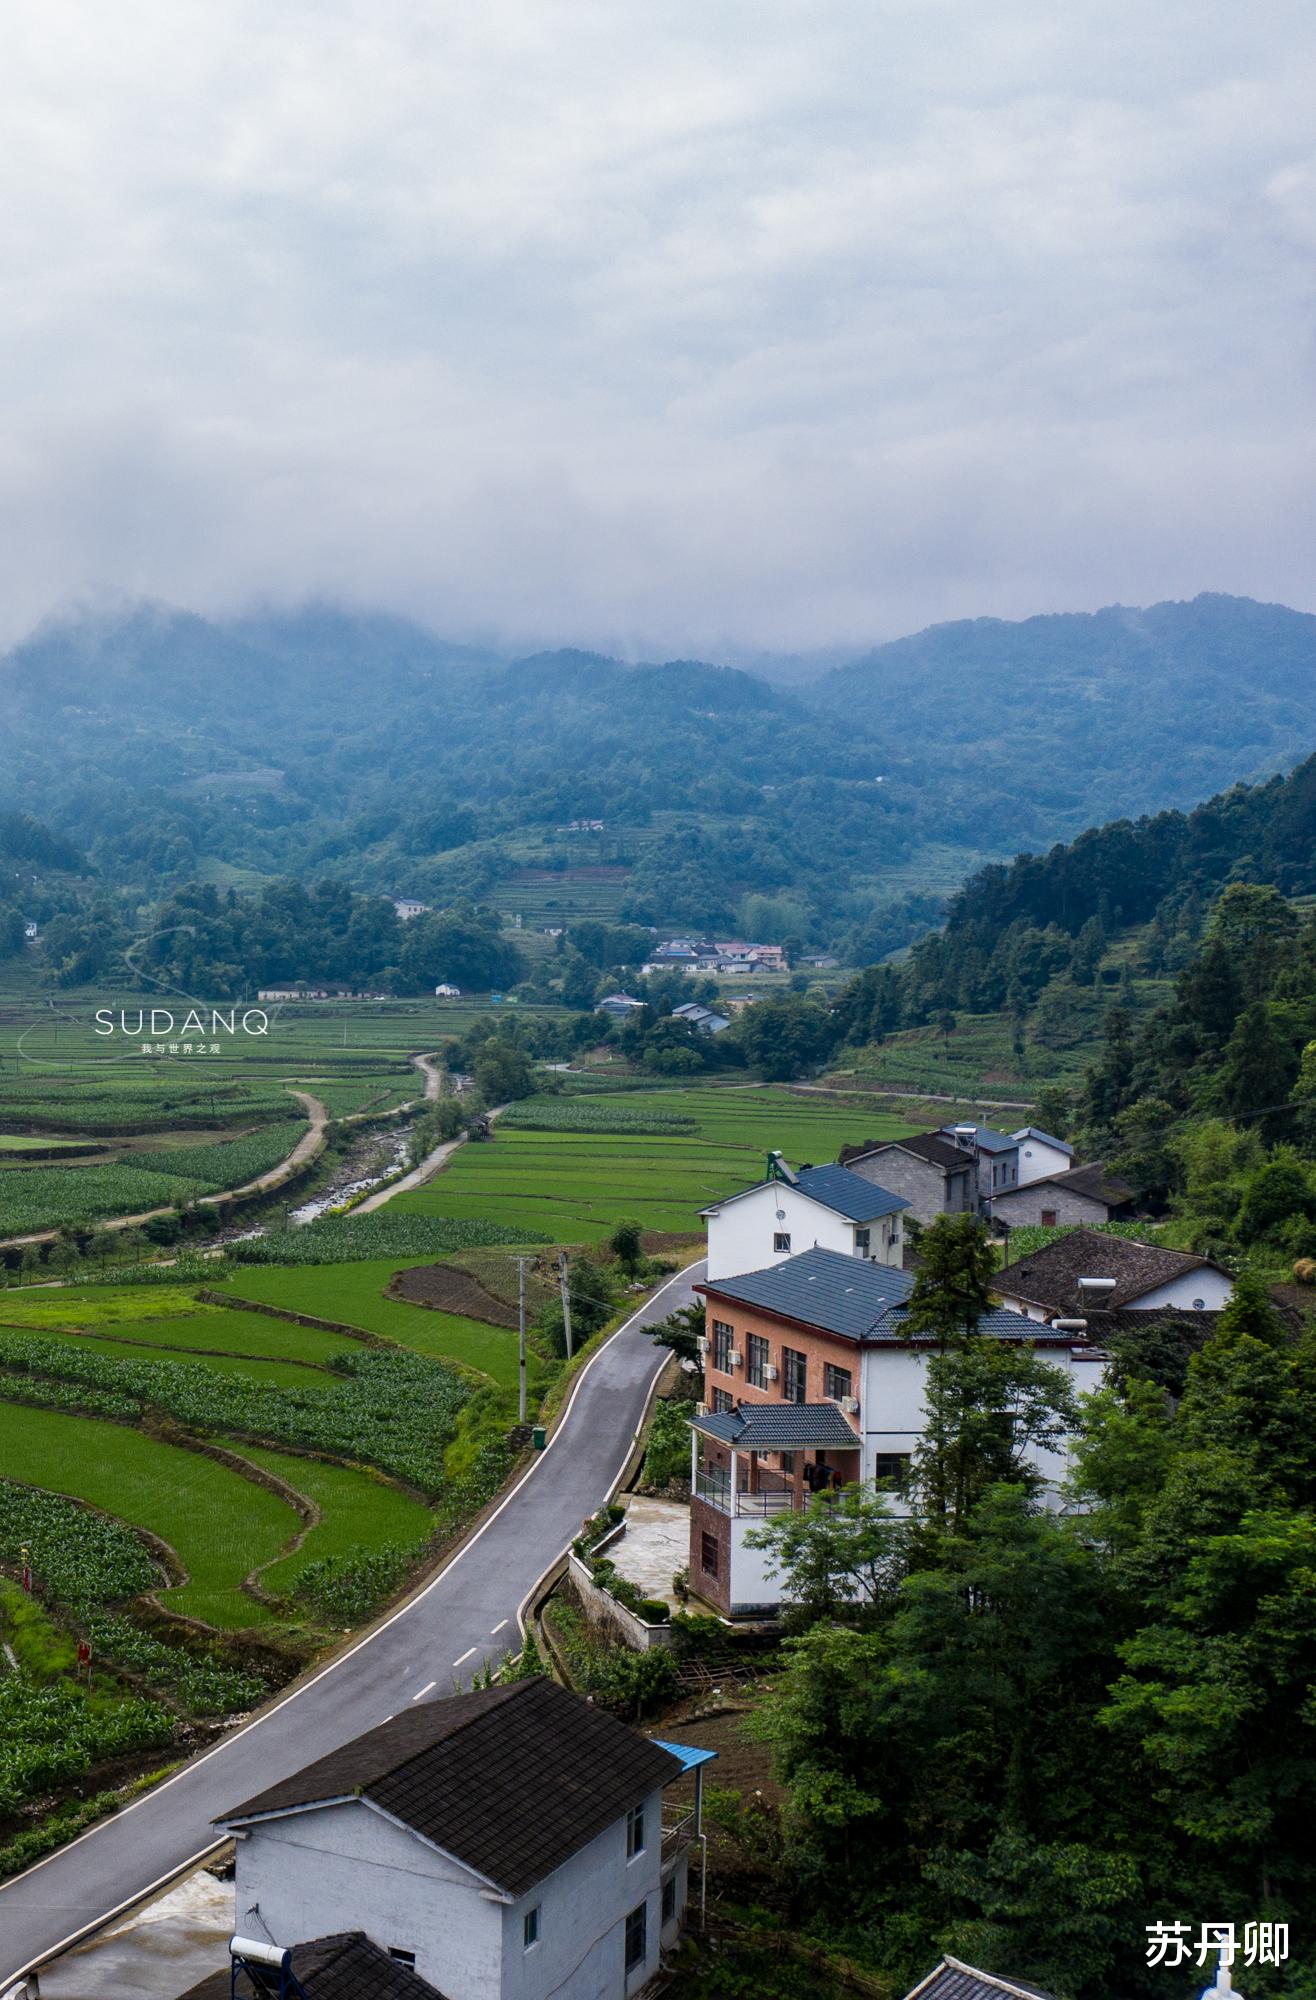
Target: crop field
x=226, y=1164
x=388, y=1232
x=577, y=1185
x=354, y=1293
x=45, y=1197
x=219, y=1524
x=359, y=1513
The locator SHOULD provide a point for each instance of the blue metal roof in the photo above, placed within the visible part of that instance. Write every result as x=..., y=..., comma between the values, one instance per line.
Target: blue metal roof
x=987, y=1140
x=848, y=1296
x=689, y=1758
x=848, y=1194
x=1043, y=1139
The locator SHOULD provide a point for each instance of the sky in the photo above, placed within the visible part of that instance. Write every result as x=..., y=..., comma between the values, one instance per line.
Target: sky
x=674, y=327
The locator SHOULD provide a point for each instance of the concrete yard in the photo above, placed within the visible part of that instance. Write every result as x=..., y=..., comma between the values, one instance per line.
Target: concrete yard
x=656, y=1544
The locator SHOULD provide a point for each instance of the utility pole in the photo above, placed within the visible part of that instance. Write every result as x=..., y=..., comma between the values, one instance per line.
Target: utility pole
x=520, y=1314
x=566, y=1298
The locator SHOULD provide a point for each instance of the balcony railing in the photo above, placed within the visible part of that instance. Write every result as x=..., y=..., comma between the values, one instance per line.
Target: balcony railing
x=678, y=1826
x=768, y=1500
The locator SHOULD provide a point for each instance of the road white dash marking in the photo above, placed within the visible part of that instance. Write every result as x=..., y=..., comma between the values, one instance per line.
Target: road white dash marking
x=498, y=1628
x=425, y=1690
x=469, y=1654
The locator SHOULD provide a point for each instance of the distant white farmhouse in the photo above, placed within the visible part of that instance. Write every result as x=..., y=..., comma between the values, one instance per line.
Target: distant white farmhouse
x=506, y=1844
x=446, y=992
x=619, y=1005
x=1040, y=1154
x=825, y=1208
x=407, y=907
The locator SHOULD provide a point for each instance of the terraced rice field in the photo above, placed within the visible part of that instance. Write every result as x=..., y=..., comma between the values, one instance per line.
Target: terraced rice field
x=355, y=1294
x=219, y=1524
x=579, y=1185
x=359, y=1512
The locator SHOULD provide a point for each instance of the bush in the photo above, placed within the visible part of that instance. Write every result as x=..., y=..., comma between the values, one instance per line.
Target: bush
x=344, y=1590
x=667, y=1457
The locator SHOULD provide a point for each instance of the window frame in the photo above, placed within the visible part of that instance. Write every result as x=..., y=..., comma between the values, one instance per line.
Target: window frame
x=636, y=1840
x=781, y=1243
x=531, y=1928
x=758, y=1358
x=710, y=1544
x=636, y=1920
x=794, y=1373
x=723, y=1339
x=832, y=1377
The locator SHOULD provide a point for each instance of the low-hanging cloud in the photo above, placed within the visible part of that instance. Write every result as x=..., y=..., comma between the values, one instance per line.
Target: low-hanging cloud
x=777, y=323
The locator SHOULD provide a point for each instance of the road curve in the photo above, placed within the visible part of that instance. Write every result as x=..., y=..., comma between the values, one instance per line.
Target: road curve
x=467, y=1613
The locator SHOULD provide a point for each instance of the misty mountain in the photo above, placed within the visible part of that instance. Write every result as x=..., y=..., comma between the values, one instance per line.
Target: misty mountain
x=1087, y=716
x=167, y=747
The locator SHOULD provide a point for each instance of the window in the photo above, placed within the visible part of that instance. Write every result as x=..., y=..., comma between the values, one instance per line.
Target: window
x=637, y=1937
x=862, y=1240
x=1199, y=1305
x=788, y=1462
x=837, y=1382
x=781, y=1242
x=723, y=1335
x=890, y=1471
x=1048, y=1218
x=669, y=1899
x=407, y=1958
x=758, y=1361
x=794, y=1375
x=634, y=1832
x=722, y=1401
x=708, y=1554
x=530, y=1928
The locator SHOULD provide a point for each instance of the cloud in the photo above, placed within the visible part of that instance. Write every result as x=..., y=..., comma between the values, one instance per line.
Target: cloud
x=677, y=328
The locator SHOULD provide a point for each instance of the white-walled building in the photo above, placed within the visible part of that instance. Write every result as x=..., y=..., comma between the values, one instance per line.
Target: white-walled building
x=824, y=1208
x=813, y=1380
x=1040, y=1154
x=506, y=1844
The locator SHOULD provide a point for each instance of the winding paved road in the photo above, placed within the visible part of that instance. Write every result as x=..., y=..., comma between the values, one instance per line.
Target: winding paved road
x=467, y=1613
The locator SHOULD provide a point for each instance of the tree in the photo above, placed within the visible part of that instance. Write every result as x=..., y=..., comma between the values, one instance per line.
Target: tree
x=1258, y=1068
x=845, y=1553
x=990, y=1407
x=1276, y=1194
x=953, y=1284
x=1145, y=1155
x=627, y=1245
x=1249, y=1314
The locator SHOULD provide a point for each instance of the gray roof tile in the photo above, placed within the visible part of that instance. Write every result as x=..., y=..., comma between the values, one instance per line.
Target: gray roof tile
x=778, y=1426
x=953, y=1980
x=846, y=1296
x=511, y=1780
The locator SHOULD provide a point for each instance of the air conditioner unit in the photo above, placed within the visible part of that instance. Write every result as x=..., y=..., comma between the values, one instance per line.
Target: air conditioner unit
x=701, y=1343
x=850, y=1404
x=735, y=1358
x=769, y=1373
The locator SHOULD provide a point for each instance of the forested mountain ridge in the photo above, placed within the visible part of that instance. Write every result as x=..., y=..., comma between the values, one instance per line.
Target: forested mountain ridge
x=321, y=743
x=1091, y=715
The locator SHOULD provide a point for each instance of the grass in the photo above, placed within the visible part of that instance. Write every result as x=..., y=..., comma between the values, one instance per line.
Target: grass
x=360, y=1512
x=219, y=1524
x=187, y=1327
x=354, y=1294
x=579, y=1185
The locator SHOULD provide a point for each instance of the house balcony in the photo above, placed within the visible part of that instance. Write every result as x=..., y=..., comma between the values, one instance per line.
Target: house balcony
x=714, y=1485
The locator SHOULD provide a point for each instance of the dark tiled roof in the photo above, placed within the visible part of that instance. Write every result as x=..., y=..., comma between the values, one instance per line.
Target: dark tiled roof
x=1092, y=1181
x=848, y=1194
x=778, y=1426
x=511, y=1780
x=346, y=1967
x=1050, y=1277
x=953, y=1980
x=930, y=1146
x=843, y=1295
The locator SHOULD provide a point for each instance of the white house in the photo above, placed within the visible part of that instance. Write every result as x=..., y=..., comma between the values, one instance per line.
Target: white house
x=814, y=1379
x=407, y=907
x=507, y=1844
x=619, y=1005
x=1087, y=1272
x=797, y=1209
x=706, y=1019
x=1040, y=1154
x=447, y=992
